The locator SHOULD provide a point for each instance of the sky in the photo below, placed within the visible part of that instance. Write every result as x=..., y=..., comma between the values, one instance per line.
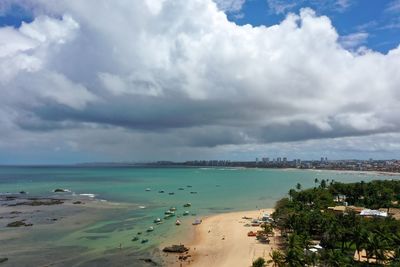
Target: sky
x=99, y=80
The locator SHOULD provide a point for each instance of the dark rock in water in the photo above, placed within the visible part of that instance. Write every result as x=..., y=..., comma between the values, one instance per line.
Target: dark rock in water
x=176, y=249
x=58, y=190
x=18, y=224
x=148, y=260
x=39, y=202
x=3, y=260
x=15, y=212
x=77, y=202
x=46, y=202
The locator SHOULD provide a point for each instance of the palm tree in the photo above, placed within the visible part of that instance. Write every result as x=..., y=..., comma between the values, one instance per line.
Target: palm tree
x=359, y=236
x=335, y=258
x=376, y=247
x=277, y=258
x=292, y=193
x=294, y=252
x=394, y=240
x=260, y=262
x=267, y=228
x=323, y=184
x=298, y=186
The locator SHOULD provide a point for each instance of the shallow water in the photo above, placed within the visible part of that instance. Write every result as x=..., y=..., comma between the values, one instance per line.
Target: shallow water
x=218, y=190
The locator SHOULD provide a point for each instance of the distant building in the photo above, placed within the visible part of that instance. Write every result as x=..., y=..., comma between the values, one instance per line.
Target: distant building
x=265, y=160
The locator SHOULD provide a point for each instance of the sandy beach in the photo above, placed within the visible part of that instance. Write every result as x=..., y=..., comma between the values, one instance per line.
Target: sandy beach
x=221, y=240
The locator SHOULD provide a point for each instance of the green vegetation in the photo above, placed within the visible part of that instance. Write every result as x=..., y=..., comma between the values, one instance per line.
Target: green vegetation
x=305, y=220
x=260, y=262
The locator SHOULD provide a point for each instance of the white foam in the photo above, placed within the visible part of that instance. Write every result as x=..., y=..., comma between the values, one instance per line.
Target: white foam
x=88, y=195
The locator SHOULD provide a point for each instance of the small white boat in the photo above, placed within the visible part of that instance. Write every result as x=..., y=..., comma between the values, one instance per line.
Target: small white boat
x=187, y=205
x=158, y=220
x=196, y=222
x=148, y=189
x=178, y=222
x=151, y=229
x=186, y=213
x=172, y=209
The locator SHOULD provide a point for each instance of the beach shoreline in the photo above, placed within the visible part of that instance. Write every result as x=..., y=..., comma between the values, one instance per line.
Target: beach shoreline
x=221, y=240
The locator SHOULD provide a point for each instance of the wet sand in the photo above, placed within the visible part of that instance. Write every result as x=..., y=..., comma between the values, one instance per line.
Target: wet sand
x=39, y=244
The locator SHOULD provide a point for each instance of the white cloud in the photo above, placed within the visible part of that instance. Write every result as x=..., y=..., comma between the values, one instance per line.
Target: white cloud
x=230, y=5
x=354, y=40
x=393, y=6
x=282, y=6
x=177, y=74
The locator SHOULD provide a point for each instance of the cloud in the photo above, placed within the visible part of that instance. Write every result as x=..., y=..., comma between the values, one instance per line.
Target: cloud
x=285, y=6
x=354, y=40
x=230, y=5
x=393, y=6
x=281, y=6
x=167, y=78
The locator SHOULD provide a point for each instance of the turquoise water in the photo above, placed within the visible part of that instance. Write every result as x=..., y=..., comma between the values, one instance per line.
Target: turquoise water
x=218, y=190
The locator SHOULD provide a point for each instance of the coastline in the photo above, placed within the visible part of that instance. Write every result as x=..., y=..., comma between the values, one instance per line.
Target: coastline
x=221, y=240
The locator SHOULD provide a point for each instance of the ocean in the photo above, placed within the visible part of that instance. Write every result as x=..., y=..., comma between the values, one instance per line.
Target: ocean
x=135, y=200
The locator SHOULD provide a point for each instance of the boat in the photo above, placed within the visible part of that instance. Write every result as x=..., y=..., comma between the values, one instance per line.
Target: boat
x=139, y=233
x=188, y=186
x=172, y=209
x=144, y=241
x=158, y=220
x=193, y=192
x=161, y=191
x=135, y=238
x=171, y=193
x=187, y=205
x=180, y=188
x=263, y=239
x=178, y=222
x=196, y=222
x=169, y=212
x=251, y=233
x=150, y=229
x=148, y=189
x=186, y=213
